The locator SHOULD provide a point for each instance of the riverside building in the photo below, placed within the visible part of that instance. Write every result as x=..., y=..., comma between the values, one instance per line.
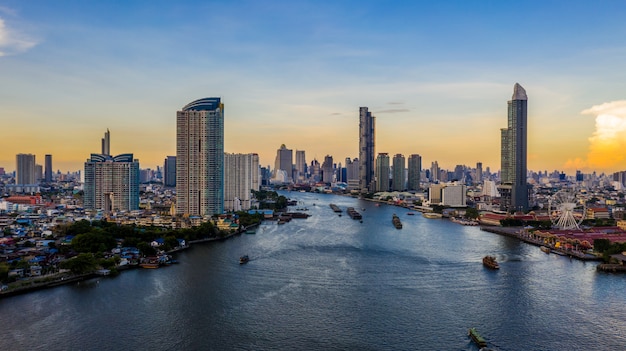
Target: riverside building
x=514, y=188
x=200, y=158
x=241, y=176
x=367, y=124
x=111, y=182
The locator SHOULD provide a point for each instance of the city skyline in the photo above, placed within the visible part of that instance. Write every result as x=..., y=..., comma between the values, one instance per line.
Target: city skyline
x=434, y=75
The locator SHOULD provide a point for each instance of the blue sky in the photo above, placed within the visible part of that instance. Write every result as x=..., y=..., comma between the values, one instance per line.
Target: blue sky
x=437, y=76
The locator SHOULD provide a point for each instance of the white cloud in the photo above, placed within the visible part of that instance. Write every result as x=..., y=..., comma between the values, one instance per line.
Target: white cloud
x=13, y=42
x=608, y=141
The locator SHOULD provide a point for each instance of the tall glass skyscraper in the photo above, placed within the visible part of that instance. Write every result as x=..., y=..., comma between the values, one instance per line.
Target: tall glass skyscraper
x=367, y=124
x=514, y=187
x=200, y=158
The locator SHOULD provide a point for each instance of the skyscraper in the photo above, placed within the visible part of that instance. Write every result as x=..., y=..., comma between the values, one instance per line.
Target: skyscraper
x=382, y=172
x=514, y=188
x=106, y=143
x=398, y=173
x=300, y=165
x=111, y=182
x=366, y=149
x=48, y=171
x=200, y=158
x=415, y=172
x=284, y=162
x=434, y=172
x=479, y=173
x=25, y=169
x=327, y=169
x=169, y=171
x=241, y=175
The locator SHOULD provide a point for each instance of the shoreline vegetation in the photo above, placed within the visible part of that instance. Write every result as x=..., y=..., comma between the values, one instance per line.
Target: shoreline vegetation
x=58, y=279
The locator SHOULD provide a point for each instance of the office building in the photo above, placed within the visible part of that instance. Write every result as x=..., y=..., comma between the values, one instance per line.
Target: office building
x=284, y=163
x=435, y=174
x=48, y=171
x=415, y=172
x=382, y=172
x=169, y=171
x=106, y=143
x=366, y=149
x=25, y=171
x=300, y=166
x=398, y=173
x=327, y=170
x=200, y=158
x=111, y=182
x=479, y=173
x=454, y=195
x=241, y=176
x=514, y=187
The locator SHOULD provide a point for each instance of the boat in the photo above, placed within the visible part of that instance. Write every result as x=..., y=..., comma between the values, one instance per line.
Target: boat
x=396, y=221
x=335, y=208
x=545, y=249
x=490, y=262
x=479, y=340
x=432, y=215
x=149, y=265
x=250, y=231
x=244, y=259
x=411, y=213
x=354, y=214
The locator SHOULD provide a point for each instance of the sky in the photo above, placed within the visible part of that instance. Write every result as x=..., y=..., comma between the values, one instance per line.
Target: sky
x=436, y=74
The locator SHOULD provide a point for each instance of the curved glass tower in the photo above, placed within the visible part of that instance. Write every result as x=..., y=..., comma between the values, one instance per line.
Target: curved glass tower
x=200, y=158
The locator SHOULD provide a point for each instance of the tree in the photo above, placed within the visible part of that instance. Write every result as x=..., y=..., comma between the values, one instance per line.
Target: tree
x=82, y=264
x=471, y=213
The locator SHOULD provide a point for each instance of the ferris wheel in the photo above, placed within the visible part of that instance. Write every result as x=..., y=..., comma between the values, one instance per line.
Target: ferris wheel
x=565, y=212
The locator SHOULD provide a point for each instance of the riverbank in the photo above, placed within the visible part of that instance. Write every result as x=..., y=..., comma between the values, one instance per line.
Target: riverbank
x=57, y=279
x=517, y=232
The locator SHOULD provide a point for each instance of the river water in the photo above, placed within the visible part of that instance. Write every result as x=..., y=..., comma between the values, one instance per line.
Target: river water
x=333, y=283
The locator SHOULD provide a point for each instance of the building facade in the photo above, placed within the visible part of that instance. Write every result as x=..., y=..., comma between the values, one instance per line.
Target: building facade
x=48, y=171
x=514, y=187
x=169, y=171
x=111, y=183
x=367, y=124
x=241, y=176
x=398, y=180
x=300, y=166
x=200, y=158
x=284, y=162
x=327, y=169
x=25, y=171
x=382, y=172
x=415, y=172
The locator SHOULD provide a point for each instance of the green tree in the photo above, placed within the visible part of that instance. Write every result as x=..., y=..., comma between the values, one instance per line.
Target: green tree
x=4, y=271
x=81, y=264
x=471, y=213
x=93, y=242
x=146, y=249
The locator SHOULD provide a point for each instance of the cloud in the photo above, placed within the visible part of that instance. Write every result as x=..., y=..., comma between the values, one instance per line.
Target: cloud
x=13, y=42
x=608, y=141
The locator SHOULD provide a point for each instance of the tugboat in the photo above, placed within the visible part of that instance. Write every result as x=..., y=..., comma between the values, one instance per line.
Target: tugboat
x=490, y=262
x=477, y=338
x=244, y=259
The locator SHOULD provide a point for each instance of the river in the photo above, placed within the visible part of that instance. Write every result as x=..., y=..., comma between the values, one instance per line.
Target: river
x=332, y=283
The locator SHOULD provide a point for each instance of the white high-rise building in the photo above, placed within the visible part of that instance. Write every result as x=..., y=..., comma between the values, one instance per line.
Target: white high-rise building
x=300, y=165
x=200, y=158
x=25, y=169
x=241, y=176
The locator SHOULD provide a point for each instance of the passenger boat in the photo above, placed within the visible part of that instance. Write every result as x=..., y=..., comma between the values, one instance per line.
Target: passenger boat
x=244, y=259
x=545, y=249
x=490, y=262
x=473, y=334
